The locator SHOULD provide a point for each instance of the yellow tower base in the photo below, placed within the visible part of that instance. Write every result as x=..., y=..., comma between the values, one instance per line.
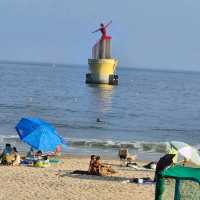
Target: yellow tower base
x=102, y=71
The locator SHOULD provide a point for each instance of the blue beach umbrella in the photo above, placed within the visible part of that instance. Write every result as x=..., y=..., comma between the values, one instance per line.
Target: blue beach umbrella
x=39, y=134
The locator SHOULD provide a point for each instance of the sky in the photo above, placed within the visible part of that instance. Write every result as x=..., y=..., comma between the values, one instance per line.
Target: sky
x=161, y=34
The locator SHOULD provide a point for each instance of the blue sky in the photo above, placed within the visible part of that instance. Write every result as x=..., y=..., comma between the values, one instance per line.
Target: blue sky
x=146, y=33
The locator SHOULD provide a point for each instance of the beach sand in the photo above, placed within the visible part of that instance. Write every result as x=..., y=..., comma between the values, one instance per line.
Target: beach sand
x=56, y=182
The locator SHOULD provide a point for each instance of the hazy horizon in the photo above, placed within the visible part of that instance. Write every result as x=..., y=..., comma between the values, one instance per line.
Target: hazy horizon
x=146, y=34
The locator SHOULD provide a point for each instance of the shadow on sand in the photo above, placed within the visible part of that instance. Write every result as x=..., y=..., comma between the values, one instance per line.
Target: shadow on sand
x=66, y=173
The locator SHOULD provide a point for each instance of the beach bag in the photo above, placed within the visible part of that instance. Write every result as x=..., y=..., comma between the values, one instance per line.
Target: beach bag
x=41, y=163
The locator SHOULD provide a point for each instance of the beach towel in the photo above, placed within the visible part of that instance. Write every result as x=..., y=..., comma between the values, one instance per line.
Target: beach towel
x=26, y=162
x=54, y=160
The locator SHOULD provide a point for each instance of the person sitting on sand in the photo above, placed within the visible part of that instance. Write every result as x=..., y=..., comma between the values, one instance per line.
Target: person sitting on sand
x=45, y=159
x=58, y=151
x=31, y=153
x=101, y=169
x=16, y=157
x=38, y=154
x=91, y=165
x=6, y=152
x=97, y=165
x=96, y=168
x=12, y=159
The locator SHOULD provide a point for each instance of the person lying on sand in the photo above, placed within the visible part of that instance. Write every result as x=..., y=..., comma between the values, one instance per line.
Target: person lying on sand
x=31, y=153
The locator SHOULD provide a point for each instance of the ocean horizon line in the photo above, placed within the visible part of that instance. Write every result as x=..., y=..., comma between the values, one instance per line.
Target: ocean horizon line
x=132, y=67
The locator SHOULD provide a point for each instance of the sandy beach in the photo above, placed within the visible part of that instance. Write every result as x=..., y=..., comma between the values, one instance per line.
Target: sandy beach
x=56, y=182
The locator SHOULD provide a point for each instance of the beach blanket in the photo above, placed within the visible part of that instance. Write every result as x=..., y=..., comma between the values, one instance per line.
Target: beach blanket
x=29, y=160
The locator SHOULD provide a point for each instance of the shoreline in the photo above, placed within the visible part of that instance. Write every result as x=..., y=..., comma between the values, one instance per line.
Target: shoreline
x=104, y=157
x=145, y=157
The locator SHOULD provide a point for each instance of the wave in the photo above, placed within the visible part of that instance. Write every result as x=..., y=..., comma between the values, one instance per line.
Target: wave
x=140, y=146
x=160, y=147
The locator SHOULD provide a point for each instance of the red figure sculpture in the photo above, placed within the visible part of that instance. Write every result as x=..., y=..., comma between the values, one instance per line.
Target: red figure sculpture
x=102, y=29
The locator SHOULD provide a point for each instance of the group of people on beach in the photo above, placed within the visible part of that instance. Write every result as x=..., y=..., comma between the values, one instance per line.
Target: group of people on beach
x=97, y=168
x=11, y=157
x=36, y=158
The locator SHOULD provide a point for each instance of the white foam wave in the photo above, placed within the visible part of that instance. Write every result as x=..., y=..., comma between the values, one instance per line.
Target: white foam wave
x=140, y=146
x=160, y=147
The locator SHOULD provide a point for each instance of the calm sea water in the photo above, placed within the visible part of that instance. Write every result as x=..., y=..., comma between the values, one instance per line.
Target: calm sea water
x=146, y=110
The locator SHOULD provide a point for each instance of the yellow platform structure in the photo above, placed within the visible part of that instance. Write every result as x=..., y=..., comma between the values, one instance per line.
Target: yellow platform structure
x=102, y=71
x=102, y=67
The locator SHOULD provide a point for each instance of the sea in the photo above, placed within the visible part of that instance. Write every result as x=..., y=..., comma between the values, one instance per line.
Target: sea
x=144, y=112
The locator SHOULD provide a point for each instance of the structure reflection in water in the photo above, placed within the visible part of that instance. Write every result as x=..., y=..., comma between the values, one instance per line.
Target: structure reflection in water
x=101, y=97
